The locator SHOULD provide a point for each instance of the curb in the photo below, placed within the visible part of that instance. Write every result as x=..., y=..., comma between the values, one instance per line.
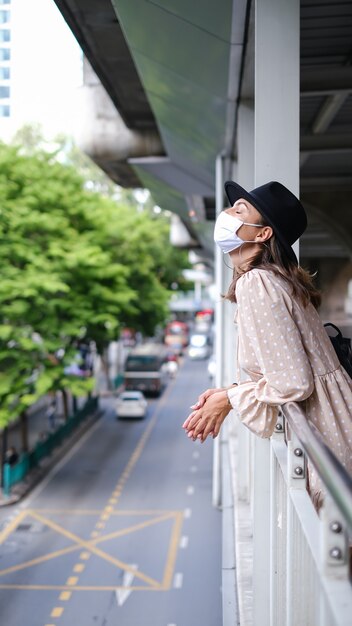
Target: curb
x=22, y=489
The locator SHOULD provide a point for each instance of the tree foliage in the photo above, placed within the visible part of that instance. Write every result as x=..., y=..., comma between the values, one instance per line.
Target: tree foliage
x=74, y=265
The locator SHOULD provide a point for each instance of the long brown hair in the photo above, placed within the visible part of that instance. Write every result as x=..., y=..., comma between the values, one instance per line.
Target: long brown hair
x=272, y=257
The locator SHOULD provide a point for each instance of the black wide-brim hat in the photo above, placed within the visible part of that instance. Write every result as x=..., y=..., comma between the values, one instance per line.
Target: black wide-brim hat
x=280, y=208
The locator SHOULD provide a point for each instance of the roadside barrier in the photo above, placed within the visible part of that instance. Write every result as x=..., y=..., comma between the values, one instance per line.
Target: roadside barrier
x=13, y=474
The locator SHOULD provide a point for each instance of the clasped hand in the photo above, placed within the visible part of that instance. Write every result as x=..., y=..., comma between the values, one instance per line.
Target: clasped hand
x=208, y=414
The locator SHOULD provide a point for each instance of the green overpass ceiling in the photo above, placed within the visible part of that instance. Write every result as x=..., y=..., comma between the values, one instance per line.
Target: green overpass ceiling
x=182, y=56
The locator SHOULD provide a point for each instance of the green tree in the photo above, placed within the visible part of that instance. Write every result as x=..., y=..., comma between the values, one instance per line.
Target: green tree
x=57, y=284
x=74, y=265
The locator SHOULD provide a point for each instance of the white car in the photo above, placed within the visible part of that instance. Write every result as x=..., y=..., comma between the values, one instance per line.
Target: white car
x=131, y=404
x=199, y=347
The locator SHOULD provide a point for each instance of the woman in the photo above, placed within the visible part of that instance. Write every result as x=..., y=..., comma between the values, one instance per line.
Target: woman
x=283, y=350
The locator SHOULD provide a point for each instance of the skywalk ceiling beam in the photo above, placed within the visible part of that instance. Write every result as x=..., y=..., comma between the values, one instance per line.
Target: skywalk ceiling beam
x=322, y=81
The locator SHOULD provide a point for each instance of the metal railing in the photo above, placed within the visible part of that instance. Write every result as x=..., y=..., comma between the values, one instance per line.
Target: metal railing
x=293, y=564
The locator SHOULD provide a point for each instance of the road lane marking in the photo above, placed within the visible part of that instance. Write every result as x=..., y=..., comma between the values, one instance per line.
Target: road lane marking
x=84, y=556
x=122, y=594
x=193, y=468
x=173, y=548
x=190, y=490
x=11, y=526
x=195, y=454
x=57, y=611
x=71, y=581
x=178, y=580
x=79, y=588
x=187, y=513
x=65, y=595
x=113, y=535
x=98, y=511
x=184, y=541
x=79, y=567
x=93, y=548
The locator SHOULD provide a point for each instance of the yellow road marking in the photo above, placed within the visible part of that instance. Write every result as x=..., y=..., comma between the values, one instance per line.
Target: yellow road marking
x=90, y=546
x=65, y=595
x=11, y=527
x=97, y=512
x=84, y=556
x=134, y=528
x=79, y=567
x=94, y=534
x=57, y=612
x=113, y=535
x=173, y=548
x=71, y=581
x=39, y=559
x=105, y=516
x=77, y=588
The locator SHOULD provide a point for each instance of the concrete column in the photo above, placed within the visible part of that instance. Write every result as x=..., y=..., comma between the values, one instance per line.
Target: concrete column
x=245, y=177
x=245, y=144
x=276, y=158
x=220, y=345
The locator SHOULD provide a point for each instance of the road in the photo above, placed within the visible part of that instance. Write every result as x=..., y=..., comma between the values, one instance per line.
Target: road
x=122, y=532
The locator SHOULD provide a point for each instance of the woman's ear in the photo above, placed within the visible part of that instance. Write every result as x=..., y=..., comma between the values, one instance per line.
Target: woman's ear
x=264, y=234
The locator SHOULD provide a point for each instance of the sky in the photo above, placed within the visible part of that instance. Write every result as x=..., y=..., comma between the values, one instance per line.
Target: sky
x=46, y=67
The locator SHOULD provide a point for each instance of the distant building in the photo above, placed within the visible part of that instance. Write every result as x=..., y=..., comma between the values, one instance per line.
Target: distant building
x=5, y=59
x=40, y=68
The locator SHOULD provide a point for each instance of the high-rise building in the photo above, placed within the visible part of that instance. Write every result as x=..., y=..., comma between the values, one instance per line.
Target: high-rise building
x=5, y=58
x=40, y=68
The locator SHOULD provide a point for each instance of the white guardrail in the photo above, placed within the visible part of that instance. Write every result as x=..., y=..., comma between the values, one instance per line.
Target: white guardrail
x=293, y=565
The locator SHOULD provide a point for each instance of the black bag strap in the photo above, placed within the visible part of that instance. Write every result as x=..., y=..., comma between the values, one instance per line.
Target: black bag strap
x=339, y=333
x=342, y=347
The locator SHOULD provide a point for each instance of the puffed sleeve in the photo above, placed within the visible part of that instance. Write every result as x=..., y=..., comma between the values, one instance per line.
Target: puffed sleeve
x=269, y=333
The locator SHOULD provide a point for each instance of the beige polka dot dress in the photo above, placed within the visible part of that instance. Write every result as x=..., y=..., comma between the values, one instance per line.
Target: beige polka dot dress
x=286, y=354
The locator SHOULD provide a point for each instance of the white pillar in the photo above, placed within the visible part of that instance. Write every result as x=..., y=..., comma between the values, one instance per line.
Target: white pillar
x=276, y=158
x=245, y=177
x=224, y=326
x=245, y=144
x=219, y=324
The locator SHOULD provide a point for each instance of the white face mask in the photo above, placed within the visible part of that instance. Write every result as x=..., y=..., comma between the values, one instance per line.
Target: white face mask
x=226, y=227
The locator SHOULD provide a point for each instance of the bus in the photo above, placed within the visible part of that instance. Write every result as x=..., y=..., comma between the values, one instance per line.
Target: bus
x=176, y=336
x=146, y=369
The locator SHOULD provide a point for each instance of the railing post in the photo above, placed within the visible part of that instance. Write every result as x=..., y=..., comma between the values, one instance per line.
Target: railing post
x=297, y=591
x=278, y=494
x=261, y=533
